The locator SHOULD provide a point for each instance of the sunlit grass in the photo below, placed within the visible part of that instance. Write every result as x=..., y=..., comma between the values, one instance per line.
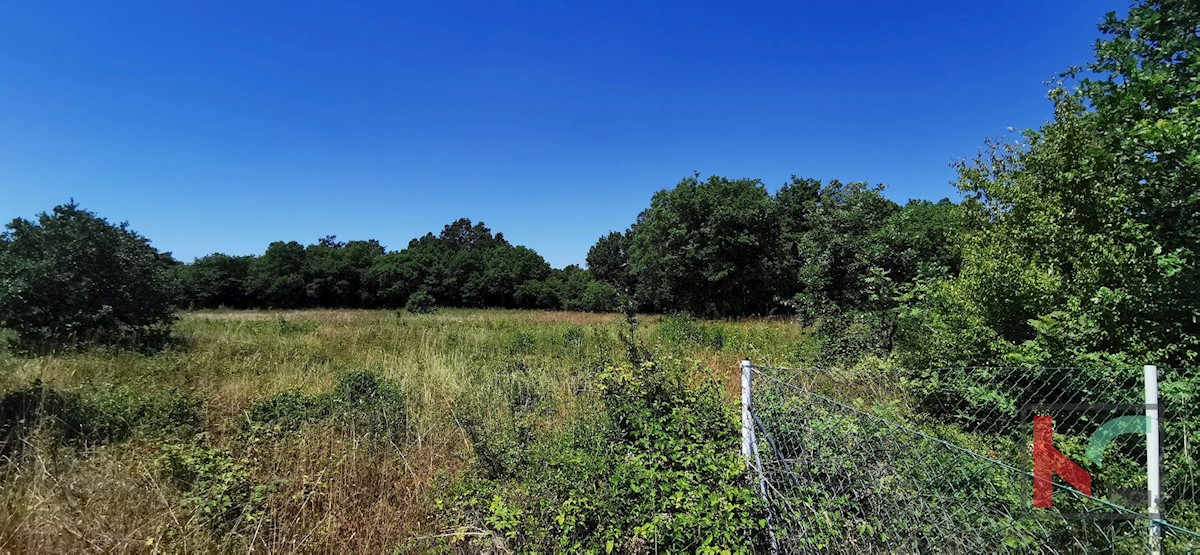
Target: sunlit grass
x=334, y=489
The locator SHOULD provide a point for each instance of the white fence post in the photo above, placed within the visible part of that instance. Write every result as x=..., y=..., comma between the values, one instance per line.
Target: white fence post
x=747, y=417
x=1152, y=458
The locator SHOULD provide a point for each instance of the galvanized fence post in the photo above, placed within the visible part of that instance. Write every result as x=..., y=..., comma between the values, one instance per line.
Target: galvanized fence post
x=747, y=417
x=1153, y=478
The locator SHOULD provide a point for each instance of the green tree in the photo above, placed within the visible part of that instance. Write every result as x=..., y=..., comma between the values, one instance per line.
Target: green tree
x=833, y=231
x=216, y=280
x=277, y=277
x=608, y=260
x=704, y=247
x=334, y=271
x=505, y=268
x=922, y=241
x=423, y=265
x=1087, y=249
x=72, y=279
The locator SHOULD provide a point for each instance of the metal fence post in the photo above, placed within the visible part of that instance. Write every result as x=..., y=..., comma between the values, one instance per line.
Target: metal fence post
x=1150, y=373
x=747, y=417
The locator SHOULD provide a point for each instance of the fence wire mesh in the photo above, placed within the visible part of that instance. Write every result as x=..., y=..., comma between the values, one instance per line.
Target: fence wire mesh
x=940, y=460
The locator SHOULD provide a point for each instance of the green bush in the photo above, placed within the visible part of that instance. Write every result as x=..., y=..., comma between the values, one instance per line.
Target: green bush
x=93, y=418
x=71, y=279
x=361, y=399
x=845, y=339
x=684, y=329
x=215, y=485
x=656, y=464
x=420, y=302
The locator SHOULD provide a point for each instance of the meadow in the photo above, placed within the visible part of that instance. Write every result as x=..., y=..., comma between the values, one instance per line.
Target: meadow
x=351, y=430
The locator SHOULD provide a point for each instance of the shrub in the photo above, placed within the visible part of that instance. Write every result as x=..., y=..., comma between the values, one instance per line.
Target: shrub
x=420, y=302
x=683, y=329
x=360, y=398
x=846, y=338
x=657, y=465
x=215, y=485
x=93, y=418
x=72, y=279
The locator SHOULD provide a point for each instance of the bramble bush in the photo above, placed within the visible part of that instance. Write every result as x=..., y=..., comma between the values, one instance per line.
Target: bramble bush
x=92, y=418
x=361, y=398
x=653, y=466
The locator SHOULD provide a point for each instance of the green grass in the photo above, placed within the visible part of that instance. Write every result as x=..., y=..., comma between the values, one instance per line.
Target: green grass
x=249, y=436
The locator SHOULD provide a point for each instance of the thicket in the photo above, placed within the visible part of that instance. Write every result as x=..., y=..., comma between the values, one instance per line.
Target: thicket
x=652, y=465
x=91, y=418
x=71, y=279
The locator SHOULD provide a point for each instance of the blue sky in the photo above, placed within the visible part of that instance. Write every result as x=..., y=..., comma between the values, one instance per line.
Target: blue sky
x=222, y=126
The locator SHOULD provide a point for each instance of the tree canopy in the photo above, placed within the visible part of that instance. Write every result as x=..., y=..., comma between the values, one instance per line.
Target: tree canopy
x=1086, y=249
x=72, y=279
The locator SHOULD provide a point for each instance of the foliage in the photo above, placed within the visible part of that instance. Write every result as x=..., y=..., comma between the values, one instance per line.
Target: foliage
x=277, y=277
x=72, y=279
x=728, y=248
x=683, y=329
x=704, y=247
x=216, y=280
x=1087, y=250
x=92, y=418
x=656, y=467
x=1082, y=247
x=361, y=398
x=420, y=302
x=608, y=260
x=836, y=241
x=334, y=271
x=215, y=485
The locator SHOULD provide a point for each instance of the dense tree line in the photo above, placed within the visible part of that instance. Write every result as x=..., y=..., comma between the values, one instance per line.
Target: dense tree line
x=465, y=265
x=728, y=247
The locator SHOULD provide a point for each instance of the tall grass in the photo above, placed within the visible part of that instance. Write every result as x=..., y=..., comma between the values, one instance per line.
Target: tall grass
x=363, y=473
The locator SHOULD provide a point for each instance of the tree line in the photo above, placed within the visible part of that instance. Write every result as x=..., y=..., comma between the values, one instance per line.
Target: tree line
x=727, y=247
x=465, y=265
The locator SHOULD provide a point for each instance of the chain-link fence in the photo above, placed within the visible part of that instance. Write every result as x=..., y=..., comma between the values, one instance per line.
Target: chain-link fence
x=943, y=460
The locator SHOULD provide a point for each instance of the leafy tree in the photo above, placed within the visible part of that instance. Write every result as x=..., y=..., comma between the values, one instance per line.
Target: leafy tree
x=608, y=260
x=424, y=264
x=922, y=241
x=540, y=294
x=1087, y=249
x=462, y=235
x=795, y=203
x=464, y=265
x=72, y=279
x=505, y=268
x=833, y=231
x=334, y=271
x=216, y=280
x=704, y=247
x=277, y=277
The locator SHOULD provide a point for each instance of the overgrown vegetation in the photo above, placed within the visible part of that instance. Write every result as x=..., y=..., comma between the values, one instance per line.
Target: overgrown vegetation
x=1072, y=255
x=652, y=466
x=342, y=430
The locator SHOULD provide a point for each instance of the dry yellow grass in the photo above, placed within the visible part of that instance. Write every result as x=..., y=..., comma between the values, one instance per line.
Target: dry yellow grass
x=334, y=489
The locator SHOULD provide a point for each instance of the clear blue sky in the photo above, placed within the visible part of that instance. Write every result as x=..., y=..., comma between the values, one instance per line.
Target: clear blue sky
x=222, y=126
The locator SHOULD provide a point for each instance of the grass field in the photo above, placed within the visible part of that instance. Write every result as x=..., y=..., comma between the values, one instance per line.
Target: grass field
x=330, y=430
